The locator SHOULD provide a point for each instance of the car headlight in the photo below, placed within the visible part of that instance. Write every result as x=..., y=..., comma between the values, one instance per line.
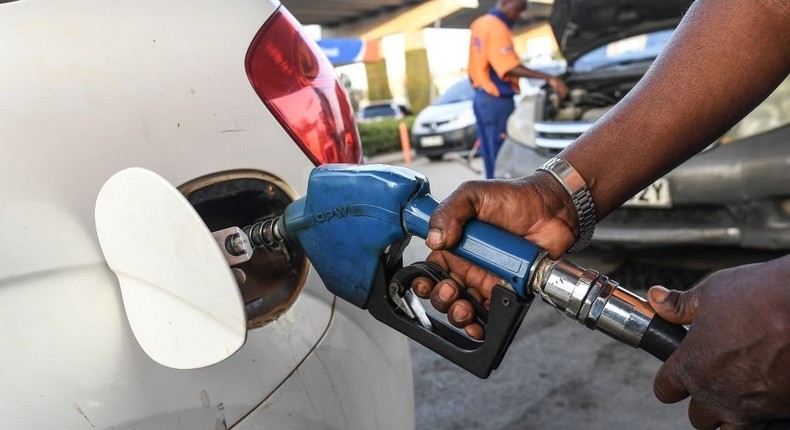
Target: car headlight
x=418, y=126
x=466, y=117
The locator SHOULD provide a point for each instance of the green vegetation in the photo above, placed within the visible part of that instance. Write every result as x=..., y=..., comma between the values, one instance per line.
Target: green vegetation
x=381, y=137
x=378, y=81
x=418, y=79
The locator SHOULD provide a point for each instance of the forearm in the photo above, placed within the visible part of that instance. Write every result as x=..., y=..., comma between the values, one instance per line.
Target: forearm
x=523, y=72
x=725, y=57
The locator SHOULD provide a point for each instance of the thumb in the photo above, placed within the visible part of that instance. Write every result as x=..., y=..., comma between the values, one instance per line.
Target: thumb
x=674, y=306
x=446, y=225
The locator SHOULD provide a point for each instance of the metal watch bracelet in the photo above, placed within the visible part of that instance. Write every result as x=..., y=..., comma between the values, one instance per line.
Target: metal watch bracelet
x=577, y=189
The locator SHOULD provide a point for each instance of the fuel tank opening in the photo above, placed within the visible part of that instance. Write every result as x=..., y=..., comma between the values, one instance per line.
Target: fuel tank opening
x=272, y=279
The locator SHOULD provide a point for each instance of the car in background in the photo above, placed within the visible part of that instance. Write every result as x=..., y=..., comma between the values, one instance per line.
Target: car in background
x=447, y=124
x=377, y=111
x=734, y=193
x=234, y=104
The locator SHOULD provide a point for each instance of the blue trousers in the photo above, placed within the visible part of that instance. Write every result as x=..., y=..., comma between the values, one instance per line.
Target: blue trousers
x=491, y=114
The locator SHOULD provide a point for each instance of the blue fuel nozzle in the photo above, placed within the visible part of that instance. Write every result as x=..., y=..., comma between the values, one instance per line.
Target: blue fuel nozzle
x=353, y=225
x=355, y=221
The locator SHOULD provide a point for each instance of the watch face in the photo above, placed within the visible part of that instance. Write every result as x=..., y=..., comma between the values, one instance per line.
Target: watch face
x=566, y=175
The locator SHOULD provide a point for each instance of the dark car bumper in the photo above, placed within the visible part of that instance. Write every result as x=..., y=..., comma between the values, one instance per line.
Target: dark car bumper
x=736, y=194
x=452, y=140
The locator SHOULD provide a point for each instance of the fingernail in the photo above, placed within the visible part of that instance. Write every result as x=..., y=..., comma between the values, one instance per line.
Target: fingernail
x=460, y=314
x=420, y=288
x=659, y=294
x=435, y=238
x=446, y=292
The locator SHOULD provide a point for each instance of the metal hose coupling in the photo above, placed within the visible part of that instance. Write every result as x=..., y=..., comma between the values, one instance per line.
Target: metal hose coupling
x=592, y=299
x=267, y=234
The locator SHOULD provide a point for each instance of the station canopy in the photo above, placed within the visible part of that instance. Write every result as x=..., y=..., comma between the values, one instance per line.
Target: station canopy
x=337, y=14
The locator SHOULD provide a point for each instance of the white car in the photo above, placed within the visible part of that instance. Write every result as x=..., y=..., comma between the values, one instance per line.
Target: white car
x=229, y=101
x=448, y=124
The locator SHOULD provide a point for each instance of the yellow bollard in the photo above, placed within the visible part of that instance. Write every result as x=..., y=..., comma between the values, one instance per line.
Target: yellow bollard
x=404, y=142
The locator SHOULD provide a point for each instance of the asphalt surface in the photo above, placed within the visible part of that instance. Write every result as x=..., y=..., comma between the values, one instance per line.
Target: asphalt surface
x=557, y=374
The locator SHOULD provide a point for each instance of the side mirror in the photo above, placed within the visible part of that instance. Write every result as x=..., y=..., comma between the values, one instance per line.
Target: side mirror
x=180, y=296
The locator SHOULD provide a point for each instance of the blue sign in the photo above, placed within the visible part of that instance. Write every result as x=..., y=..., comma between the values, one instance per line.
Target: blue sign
x=343, y=51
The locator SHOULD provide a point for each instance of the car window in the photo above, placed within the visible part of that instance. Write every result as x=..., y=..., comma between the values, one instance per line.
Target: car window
x=458, y=92
x=377, y=111
x=633, y=49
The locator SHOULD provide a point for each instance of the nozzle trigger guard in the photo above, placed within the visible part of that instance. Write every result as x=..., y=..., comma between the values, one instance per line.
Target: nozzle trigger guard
x=480, y=358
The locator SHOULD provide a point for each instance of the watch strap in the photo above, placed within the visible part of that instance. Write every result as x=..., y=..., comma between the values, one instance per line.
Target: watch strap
x=577, y=189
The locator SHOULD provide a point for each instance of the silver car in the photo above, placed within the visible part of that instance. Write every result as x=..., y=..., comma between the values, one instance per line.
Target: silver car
x=447, y=124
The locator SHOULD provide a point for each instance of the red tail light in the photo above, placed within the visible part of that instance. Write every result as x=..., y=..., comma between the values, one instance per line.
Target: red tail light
x=298, y=84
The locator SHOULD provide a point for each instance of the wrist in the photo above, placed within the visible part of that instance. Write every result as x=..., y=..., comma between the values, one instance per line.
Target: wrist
x=557, y=201
x=577, y=196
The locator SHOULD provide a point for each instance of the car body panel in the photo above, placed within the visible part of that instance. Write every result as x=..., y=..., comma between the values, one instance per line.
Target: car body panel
x=338, y=362
x=91, y=88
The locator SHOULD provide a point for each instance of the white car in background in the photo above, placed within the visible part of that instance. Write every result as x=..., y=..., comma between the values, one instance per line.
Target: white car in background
x=229, y=101
x=448, y=124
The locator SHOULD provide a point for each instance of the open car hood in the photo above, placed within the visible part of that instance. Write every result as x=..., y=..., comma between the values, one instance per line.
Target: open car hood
x=583, y=25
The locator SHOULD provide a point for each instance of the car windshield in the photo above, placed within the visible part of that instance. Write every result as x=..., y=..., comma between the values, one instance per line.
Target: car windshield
x=378, y=111
x=458, y=92
x=633, y=49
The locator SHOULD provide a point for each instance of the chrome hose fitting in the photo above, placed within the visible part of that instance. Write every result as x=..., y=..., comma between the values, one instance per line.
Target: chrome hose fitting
x=592, y=299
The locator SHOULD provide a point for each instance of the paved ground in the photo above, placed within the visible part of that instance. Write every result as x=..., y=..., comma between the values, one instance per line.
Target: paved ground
x=557, y=373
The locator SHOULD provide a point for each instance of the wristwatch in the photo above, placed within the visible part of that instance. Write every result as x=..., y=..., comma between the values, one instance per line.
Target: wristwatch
x=577, y=188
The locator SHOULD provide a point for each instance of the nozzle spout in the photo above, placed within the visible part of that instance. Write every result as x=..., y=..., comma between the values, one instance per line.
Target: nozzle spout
x=268, y=234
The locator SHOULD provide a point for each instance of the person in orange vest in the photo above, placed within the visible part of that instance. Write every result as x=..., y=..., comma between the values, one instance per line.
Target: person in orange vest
x=494, y=69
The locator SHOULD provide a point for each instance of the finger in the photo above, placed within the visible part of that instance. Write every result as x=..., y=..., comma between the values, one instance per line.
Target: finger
x=701, y=417
x=461, y=314
x=674, y=306
x=438, y=258
x=444, y=294
x=667, y=385
x=422, y=287
x=465, y=273
x=476, y=295
x=446, y=225
x=475, y=331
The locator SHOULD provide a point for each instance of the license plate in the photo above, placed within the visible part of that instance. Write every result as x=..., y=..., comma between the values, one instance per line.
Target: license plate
x=655, y=196
x=431, y=141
